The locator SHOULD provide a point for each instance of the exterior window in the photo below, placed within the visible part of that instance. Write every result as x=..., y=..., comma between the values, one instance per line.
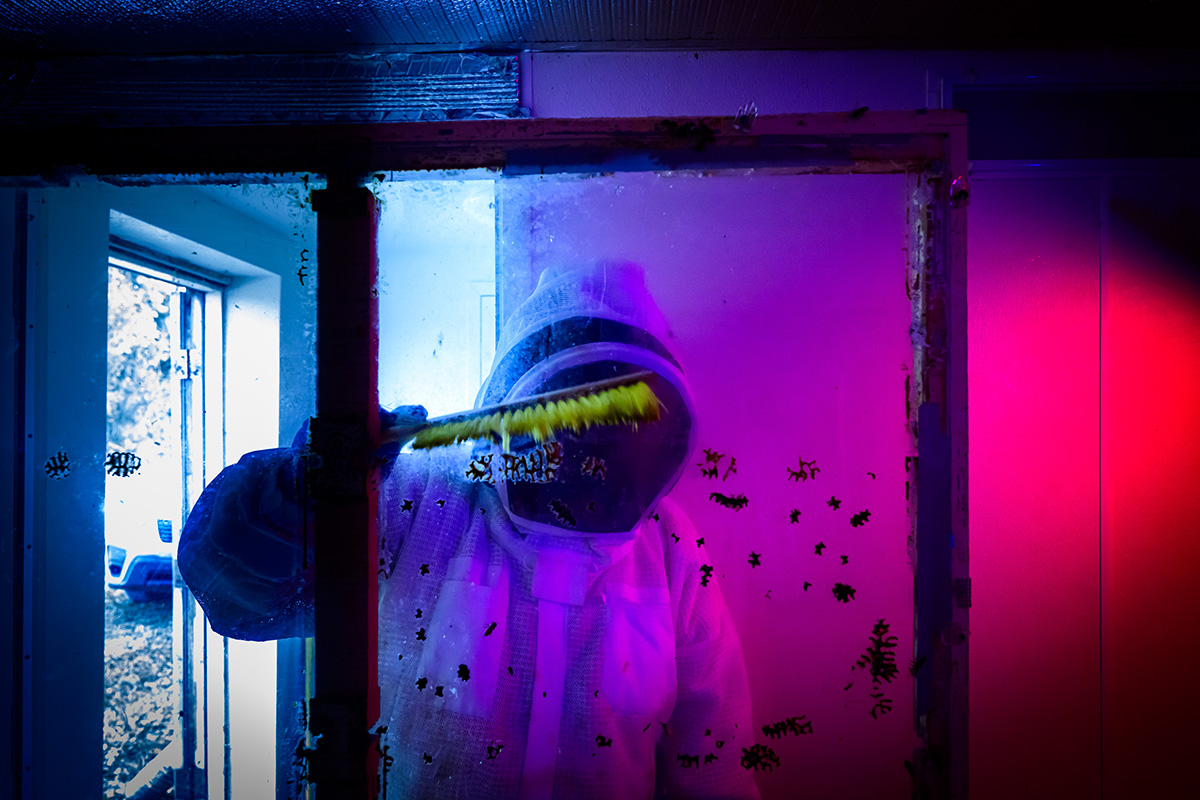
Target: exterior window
x=158, y=367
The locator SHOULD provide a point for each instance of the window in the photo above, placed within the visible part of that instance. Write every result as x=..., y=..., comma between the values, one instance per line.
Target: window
x=158, y=370
x=726, y=247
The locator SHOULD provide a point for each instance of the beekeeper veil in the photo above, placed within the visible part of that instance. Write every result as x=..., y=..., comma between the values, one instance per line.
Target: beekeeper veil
x=582, y=324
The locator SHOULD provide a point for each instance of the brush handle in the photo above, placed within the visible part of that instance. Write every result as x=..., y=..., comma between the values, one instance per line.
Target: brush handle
x=403, y=433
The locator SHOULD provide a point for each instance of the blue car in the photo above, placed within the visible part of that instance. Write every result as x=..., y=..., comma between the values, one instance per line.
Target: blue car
x=139, y=559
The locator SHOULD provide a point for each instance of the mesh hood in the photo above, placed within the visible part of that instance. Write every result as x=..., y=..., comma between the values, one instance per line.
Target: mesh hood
x=581, y=324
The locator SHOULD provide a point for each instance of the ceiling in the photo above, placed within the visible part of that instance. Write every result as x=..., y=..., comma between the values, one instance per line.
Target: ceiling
x=43, y=28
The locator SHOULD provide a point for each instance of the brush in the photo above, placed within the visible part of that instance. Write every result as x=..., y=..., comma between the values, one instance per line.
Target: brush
x=624, y=400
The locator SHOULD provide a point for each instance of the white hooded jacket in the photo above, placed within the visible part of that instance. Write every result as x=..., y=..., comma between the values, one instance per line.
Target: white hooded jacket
x=588, y=673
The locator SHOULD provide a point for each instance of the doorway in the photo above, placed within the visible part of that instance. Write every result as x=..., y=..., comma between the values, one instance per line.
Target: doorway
x=158, y=370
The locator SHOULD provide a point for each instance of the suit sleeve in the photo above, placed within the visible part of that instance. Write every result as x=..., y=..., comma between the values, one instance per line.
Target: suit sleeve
x=246, y=548
x=700, y=755
x=246, y=551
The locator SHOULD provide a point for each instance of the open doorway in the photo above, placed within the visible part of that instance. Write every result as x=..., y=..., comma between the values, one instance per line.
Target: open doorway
x=158, y=367
x=205, y=355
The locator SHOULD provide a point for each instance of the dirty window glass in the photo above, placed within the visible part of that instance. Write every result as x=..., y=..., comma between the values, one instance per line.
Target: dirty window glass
x=523, y=640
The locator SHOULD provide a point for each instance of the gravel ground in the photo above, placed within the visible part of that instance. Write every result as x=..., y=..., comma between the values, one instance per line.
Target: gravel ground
x=139, y=692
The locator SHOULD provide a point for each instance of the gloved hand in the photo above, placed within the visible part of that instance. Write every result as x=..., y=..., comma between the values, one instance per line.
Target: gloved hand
x=397, y=427
x=246, y=550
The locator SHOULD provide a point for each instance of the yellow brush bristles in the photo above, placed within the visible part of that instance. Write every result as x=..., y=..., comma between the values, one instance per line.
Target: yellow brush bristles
x=620, y=405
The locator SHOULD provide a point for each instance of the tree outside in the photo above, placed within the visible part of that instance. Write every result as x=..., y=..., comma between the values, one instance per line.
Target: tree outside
x=139, y=688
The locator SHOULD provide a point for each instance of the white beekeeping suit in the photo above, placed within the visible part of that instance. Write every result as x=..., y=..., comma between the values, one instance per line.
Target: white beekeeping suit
x=545, y=630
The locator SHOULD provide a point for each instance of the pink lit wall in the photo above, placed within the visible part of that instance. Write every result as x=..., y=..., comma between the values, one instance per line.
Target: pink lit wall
x=1084, y=392
x=787, y=304
x=1150, y=460
x=1033, y=390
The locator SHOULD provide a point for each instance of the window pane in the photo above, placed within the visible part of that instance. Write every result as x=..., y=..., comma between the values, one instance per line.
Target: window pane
x=786, y=305
x=521, y=639
x=437, y=278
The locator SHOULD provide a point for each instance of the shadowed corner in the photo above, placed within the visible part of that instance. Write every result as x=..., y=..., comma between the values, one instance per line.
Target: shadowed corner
x=1175, y=236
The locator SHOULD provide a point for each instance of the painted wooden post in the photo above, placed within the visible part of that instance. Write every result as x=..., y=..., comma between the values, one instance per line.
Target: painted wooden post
x=345, y=434
x=939, y=546
x=958, y=685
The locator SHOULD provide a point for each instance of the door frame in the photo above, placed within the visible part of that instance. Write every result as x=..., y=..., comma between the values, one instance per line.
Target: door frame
x=928, y=146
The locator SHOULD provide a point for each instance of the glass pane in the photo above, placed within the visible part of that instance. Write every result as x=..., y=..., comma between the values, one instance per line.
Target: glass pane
x=437, y=278
x=786, y=304
x=545, y=617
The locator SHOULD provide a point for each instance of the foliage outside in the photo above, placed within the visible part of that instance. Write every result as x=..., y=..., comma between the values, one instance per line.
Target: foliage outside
x=139, y=688
x=139, y=362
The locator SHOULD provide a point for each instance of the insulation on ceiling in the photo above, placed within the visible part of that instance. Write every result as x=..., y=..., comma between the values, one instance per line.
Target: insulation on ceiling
x=93, y=27
x=258, y=89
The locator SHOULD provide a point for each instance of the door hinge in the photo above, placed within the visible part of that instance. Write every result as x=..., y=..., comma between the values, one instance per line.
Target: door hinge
x=187, y=363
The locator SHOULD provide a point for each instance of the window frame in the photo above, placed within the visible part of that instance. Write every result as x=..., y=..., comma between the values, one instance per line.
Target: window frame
x=928, y=146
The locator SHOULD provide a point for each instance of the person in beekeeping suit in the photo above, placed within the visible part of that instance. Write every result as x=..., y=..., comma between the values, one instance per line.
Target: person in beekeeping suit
x=545, y=629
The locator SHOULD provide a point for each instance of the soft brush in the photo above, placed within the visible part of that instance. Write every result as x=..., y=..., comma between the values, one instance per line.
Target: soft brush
x=624, y=400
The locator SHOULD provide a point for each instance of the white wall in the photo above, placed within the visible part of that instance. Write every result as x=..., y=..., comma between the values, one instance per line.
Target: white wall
x=11, y=470
x=789, y=82
x=68, y=247
x=250, y=232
